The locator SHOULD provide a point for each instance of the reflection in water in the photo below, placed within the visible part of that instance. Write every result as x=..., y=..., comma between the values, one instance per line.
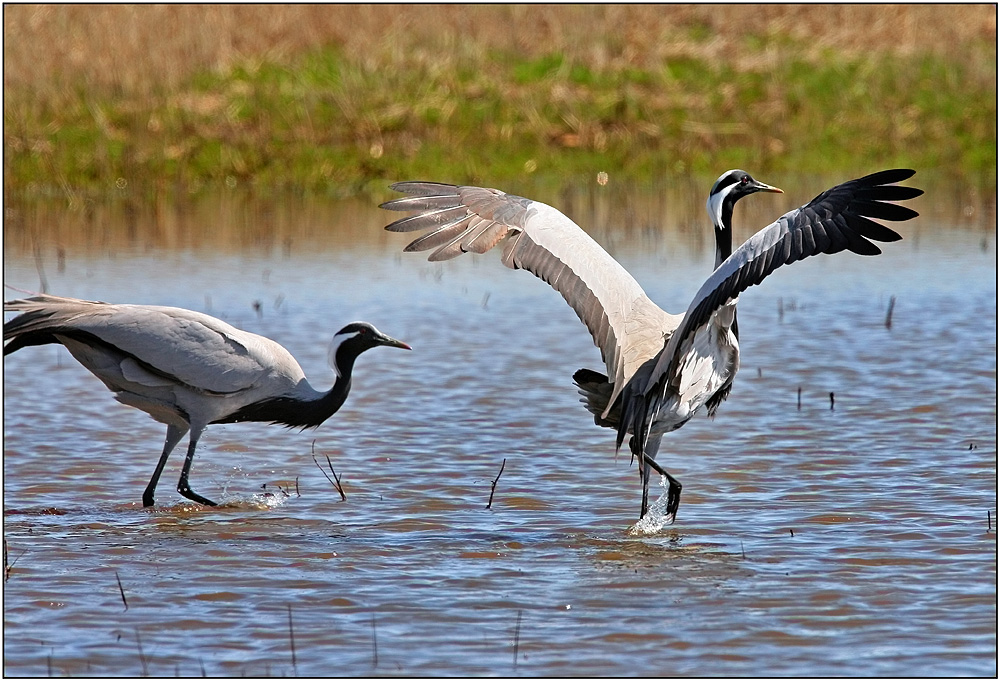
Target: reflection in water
x=813, y=541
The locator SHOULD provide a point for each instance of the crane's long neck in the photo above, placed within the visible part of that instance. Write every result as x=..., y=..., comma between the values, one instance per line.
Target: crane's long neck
x=724, y=241
x=311, y=413
x=307, y=409
x=329, y=404
x=724, y=231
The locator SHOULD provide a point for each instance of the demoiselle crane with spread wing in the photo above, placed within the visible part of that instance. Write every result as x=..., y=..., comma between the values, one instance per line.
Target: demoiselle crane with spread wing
x=661, y=368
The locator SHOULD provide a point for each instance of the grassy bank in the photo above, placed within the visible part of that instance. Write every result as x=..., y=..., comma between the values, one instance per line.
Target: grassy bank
x=432, y=92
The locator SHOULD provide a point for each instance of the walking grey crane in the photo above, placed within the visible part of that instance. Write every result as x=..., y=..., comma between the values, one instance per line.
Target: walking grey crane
x=187, y=369
x=661, y=368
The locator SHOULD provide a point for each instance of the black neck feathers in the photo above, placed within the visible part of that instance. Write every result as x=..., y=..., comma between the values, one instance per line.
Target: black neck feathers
x=296, y=412
x=724, y=231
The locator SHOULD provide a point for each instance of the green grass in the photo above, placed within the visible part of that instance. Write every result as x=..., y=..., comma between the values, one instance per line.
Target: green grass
x=324, y=123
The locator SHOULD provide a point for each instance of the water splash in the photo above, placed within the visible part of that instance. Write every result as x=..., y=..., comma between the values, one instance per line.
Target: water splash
x=656, y=515
x=260, y=500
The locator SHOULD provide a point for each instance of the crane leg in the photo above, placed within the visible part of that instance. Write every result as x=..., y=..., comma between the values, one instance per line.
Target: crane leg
x=646, y=464
x=174, y=435
x=182, y=485
x=673, y=496
x=644, y=478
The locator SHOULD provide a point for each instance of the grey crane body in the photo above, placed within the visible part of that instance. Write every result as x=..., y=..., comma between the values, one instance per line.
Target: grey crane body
x=661, y=368
x=187, y=369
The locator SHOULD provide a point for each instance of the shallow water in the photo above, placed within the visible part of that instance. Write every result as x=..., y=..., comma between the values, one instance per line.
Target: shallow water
x=810, y=541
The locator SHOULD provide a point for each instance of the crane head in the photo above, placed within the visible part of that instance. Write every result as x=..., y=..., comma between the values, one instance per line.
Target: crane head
x=732, y=186
x=354, y=339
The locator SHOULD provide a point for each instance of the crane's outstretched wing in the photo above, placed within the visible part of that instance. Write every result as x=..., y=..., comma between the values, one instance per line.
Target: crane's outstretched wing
x=836, y=220
x=626, y=325
x=177, y=345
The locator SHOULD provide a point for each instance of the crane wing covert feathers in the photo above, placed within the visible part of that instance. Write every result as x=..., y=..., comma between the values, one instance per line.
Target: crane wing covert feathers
x=836, y=220
x=626, y=325
x=189, y=347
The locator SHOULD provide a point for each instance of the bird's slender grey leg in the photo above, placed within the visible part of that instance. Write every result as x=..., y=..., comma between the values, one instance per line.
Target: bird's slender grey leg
x=182, y=485
x=174, y=435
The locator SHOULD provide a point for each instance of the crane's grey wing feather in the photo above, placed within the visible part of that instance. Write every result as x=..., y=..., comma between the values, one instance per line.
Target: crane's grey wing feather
x=162, y=343
x=836, y=220
x=625, y=324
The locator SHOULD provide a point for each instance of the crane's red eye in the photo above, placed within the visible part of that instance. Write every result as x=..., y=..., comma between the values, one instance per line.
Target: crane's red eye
x=744, y=179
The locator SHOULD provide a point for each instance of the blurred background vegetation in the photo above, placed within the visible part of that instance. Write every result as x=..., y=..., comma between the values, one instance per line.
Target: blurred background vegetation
x=183, y=99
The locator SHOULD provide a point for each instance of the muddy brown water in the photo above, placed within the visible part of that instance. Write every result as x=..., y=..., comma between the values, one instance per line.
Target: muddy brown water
x=810, y=541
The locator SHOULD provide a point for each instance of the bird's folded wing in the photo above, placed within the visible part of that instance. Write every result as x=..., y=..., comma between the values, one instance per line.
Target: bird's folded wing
x=626, y=325
x=195, y=349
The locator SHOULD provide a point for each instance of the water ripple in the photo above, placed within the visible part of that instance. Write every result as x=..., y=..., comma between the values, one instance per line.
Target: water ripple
x=857, y=540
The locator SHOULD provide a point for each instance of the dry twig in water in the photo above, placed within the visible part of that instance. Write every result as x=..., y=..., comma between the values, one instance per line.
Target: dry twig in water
x=517, y=637
x=335, y=481
x=121, y=590
x=888, y=315
x=291, y=639
x=7, y=567
x=493, y=488
x=142, y=655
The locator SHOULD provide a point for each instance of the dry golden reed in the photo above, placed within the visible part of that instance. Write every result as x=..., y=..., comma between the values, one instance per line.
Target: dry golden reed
x=137, y=49
x=333, y=98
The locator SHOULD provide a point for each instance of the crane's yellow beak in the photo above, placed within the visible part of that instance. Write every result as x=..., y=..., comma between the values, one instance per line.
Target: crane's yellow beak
x=761, y=187
x=393, y=343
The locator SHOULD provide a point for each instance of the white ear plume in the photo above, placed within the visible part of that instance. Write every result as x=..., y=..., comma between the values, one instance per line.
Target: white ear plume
x=331, y=353
x=714, y=207
x=720, y=190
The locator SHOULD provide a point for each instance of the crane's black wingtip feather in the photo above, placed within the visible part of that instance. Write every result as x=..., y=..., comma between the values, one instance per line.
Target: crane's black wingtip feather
x=890, y=176
x=887, y=192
